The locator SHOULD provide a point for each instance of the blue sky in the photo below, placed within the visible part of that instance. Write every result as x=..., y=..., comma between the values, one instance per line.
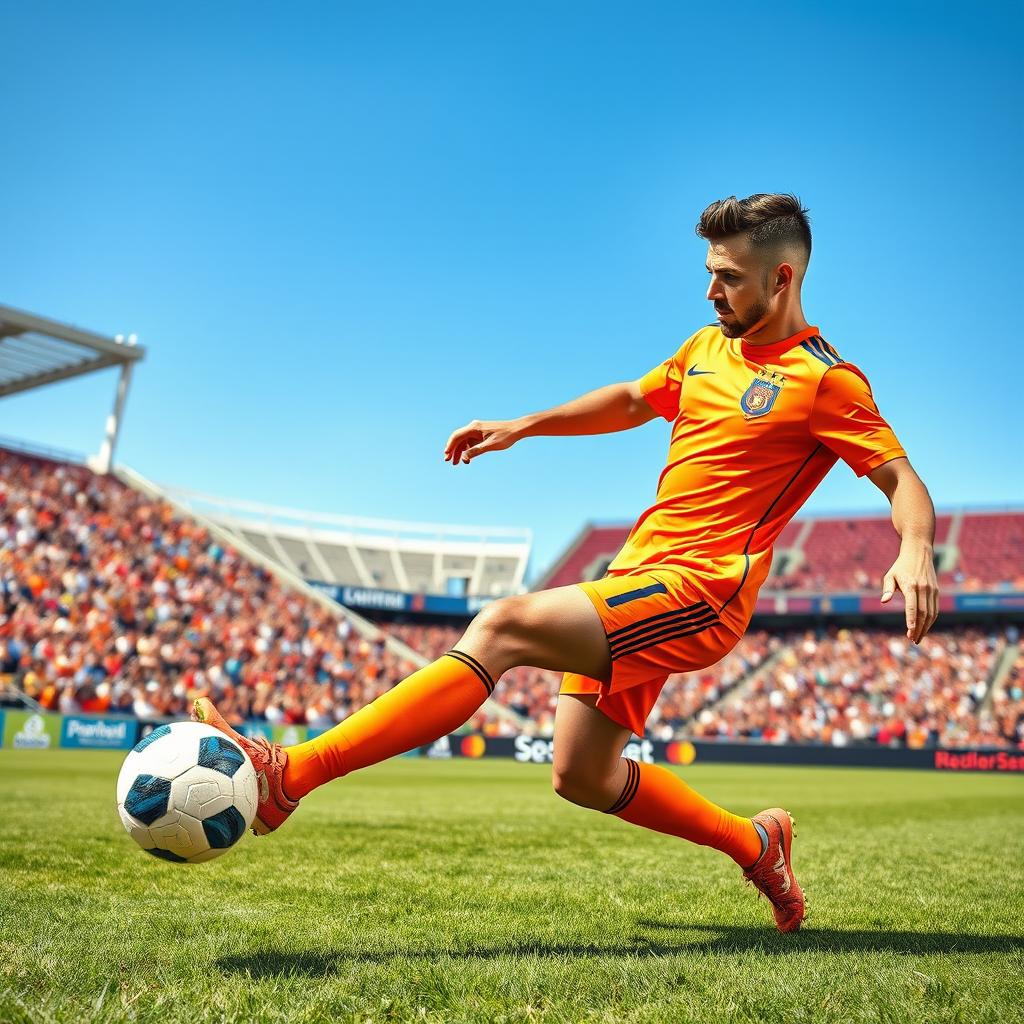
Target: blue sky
x=343, y=230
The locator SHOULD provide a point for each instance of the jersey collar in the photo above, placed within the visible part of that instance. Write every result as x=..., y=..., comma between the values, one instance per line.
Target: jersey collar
x=761, y=352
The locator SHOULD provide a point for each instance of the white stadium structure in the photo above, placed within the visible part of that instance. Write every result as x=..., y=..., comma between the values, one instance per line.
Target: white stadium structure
x=376, y=554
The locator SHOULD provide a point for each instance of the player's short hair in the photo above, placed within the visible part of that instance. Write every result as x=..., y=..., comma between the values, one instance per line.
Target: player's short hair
x=770, y=220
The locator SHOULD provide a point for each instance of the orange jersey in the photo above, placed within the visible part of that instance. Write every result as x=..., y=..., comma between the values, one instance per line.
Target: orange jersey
x=755, y=430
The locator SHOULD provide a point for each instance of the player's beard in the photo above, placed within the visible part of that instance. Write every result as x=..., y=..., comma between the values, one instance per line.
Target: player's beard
x=740, y=325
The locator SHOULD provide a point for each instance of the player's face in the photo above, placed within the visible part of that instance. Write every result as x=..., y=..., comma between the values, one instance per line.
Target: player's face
x=738, y=287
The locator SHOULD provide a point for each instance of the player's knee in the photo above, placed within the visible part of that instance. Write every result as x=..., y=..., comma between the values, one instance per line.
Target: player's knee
x=578, y=787
x=497, y=617
x=503, y=626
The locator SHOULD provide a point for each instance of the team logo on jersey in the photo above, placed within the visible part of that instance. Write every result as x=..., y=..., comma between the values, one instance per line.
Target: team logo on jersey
x=759, y=398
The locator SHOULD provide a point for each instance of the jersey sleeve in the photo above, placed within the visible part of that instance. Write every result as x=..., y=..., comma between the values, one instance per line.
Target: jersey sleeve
x=845, y=418
x=663, y=386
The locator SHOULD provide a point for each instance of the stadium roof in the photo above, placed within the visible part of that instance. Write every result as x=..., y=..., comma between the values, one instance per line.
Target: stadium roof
x=386, y=554
x=36, y=351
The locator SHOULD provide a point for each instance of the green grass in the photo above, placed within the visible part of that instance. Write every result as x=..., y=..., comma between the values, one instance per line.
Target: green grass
x=466, y=891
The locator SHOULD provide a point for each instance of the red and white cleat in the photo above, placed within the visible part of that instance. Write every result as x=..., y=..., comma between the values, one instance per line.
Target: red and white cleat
x=269, y=760
x=773, y=874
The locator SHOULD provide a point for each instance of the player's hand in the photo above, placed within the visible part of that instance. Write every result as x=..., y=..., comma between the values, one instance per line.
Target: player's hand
x=478, y=437
x=913, y=573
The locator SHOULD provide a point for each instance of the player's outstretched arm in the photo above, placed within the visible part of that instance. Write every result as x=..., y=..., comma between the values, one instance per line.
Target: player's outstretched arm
x=604, y=411
x=913, y=572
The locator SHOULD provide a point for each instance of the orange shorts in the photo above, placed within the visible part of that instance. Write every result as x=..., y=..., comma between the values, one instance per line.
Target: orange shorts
x=657, y=625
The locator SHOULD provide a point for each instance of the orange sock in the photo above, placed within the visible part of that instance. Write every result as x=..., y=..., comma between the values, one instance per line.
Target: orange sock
x=656, y=799
x=428, y=704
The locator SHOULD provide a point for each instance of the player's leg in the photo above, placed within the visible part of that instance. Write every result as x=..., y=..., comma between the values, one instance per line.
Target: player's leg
x=550, y=629
x=656, y=624
x=557, y=629
x=590, y=771
x=588, y=768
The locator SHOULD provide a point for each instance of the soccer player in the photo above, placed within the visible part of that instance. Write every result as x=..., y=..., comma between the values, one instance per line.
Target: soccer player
x=761, y=408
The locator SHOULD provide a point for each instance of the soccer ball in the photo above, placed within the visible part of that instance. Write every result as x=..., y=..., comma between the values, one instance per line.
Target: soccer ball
x=186, y=792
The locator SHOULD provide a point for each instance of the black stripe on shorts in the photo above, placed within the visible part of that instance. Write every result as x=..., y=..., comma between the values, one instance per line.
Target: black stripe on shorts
x=687, y=629
x=678, y=625
x=617, y=634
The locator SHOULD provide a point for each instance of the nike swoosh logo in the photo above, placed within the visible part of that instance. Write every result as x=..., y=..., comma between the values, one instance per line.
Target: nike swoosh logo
x=780, y=869
x=694, y=372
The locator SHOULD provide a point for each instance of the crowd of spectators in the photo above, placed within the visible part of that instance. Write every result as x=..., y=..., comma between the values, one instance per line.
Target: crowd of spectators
x=869, y=685
x=808, y=579
x=1008, y=706
x=109, y=602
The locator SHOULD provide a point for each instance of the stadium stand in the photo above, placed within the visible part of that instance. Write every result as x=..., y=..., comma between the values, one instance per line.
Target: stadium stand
x=827, y=554
x=587, y=556
x=991, y=551
x=112, y=601
x=869, y=685
x=1008, y=703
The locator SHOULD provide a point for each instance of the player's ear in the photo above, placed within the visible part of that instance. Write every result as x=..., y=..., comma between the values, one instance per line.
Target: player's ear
x=783, y=276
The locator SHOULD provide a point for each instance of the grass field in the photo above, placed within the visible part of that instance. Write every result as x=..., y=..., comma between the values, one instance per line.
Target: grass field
x=466, y=891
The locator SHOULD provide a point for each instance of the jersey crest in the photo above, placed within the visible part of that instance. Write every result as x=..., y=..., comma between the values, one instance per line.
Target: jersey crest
x=759, y=398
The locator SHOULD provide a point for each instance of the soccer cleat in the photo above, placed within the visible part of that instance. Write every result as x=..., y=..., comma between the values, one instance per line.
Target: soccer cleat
x=269, y=760
x=772, y=873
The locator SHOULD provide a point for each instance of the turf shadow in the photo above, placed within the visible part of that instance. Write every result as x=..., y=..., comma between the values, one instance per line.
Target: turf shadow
x=720, y=939
x=813, y=939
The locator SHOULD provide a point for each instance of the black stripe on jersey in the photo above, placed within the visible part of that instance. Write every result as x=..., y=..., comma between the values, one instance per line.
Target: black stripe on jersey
x=808, y=347
x=815, y=344
x=767, y=512
x=630, y=788
x=789, y=483
x=829, y=349
x=472, y=663
x=818, y=345
x=688, y=629
x=617, y=634
x=743, y=579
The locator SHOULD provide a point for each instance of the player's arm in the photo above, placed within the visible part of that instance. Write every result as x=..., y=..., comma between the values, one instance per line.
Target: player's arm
x=604, y=411
x=913, y=572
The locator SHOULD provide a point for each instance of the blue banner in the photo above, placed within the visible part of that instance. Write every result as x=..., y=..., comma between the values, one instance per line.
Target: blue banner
x=768, y=603
x=98, y=733
x=1, y=727
x=1009, y=600
x=778, y=604
x=398, y=601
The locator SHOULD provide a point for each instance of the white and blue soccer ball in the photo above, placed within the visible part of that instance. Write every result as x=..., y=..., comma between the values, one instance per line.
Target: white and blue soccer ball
x=186, y=792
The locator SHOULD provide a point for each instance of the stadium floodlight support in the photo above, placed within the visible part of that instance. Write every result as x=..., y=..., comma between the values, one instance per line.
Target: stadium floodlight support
x=35, y=351
x=11, y=695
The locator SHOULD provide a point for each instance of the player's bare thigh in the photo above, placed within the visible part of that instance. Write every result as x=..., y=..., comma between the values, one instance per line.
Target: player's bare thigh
x=555, y=629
